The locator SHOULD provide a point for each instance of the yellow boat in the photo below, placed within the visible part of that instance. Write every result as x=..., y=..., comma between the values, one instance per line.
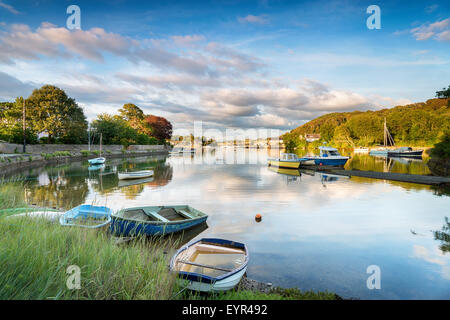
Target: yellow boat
x=287, y=160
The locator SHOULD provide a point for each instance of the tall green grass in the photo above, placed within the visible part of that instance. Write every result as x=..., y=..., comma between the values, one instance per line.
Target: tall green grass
x=11, y=194
x=35, y=255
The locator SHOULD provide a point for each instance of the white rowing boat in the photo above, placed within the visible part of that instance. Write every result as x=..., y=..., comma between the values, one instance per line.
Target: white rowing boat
x=211, y=264
x=135, y=174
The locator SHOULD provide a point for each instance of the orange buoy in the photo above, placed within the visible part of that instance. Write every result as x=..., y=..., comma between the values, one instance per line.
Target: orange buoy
x=258, y=217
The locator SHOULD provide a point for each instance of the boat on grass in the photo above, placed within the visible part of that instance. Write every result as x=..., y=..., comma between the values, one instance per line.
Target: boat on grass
x=328, y=157
x=211, y=264
x=155, y=220
x=135, y=174
x=48, y=214
x=87, y=216
x=287, y=160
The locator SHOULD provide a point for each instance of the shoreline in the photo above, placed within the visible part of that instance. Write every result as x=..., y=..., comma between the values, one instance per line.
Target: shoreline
x=22, y=161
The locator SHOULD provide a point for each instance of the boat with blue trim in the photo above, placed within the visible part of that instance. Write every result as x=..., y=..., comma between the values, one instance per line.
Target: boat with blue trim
x=87, y=216
x=328, y=157
x=155, y=220
x=211, y=264
x=96, y=161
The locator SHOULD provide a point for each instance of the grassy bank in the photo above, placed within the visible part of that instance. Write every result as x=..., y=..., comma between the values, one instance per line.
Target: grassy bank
x=35, y=255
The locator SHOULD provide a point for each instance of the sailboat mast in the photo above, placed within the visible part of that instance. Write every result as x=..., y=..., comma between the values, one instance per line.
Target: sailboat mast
x=100, y=144
x=89, y=136
x=385, y=133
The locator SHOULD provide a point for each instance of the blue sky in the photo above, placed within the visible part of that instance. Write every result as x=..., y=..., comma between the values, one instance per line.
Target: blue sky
x=246, y=64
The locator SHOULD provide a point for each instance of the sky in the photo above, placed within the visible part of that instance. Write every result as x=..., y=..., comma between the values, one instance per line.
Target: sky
x=232, y=64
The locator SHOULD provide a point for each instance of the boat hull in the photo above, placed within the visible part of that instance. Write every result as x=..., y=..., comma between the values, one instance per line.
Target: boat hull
x=135, y=175
x=325, y=161
x=284, y=164
x=407, y=154
x=97, y=161
x=201, y=282
x=125, y=227
x=85, y=212
x=221, y=285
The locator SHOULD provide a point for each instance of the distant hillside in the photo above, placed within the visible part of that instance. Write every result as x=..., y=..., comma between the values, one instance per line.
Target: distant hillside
x=419, y=124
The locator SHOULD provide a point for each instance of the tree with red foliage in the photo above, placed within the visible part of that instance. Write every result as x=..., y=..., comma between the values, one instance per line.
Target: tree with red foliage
x=161, y=128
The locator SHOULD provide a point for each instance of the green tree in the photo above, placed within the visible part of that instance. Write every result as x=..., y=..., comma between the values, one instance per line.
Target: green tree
x=133, y=115
x=56, y=114
x=11, y=126
x=444, y=93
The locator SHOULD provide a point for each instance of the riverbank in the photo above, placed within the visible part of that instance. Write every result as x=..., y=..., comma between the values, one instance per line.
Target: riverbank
x=11, y=163
x=36, y=256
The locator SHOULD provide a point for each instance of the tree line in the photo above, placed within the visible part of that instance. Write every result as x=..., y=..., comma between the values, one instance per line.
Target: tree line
x=49, y=111
x=418, y=124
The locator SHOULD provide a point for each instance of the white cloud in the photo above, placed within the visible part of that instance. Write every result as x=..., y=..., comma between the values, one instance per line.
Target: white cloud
x=184, y=78
x=439, y=29
x=262, y=19
x=8, y=7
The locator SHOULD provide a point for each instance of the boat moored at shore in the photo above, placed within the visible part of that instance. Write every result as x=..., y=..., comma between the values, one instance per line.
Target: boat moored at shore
x=406, y=152
x=211, y=265
x=287, y=160
x=97, y=161
x=87, y=216
x=328, y=157
x=155, y=220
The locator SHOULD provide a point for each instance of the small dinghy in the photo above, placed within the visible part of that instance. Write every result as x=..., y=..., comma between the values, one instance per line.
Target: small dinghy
x=87, y=216
x=135, y=174
x=47, y=214
x=157, y=220
x=211, y=264
x=97, y=161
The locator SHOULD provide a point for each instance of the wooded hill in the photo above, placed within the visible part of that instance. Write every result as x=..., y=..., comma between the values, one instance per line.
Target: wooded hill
x=418, y=124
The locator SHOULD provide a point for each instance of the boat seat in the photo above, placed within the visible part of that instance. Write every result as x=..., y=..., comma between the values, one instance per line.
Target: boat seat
x=186, y=214
x=157, y=216
x=216, y=249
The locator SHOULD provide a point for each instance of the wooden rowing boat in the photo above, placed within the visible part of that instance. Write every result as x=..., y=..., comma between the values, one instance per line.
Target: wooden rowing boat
x=155, y=220
x=135, y=174
x=211, y=264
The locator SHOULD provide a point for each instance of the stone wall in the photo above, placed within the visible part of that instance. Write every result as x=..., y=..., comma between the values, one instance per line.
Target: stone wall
x=50, y=148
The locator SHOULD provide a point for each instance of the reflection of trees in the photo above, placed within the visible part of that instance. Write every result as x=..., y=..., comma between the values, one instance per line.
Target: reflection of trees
x=444, y=236
x=386, y=164
x=64, y=189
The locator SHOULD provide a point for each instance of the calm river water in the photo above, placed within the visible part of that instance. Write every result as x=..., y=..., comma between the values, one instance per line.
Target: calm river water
x=317, y=232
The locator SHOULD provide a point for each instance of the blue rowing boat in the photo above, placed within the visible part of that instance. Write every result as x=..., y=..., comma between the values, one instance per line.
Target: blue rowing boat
x=87, y=216
x=155, y=220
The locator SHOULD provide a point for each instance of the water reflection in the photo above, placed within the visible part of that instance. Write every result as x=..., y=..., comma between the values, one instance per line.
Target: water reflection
x=444, y=236
x=310, y=236
x=71, y=185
